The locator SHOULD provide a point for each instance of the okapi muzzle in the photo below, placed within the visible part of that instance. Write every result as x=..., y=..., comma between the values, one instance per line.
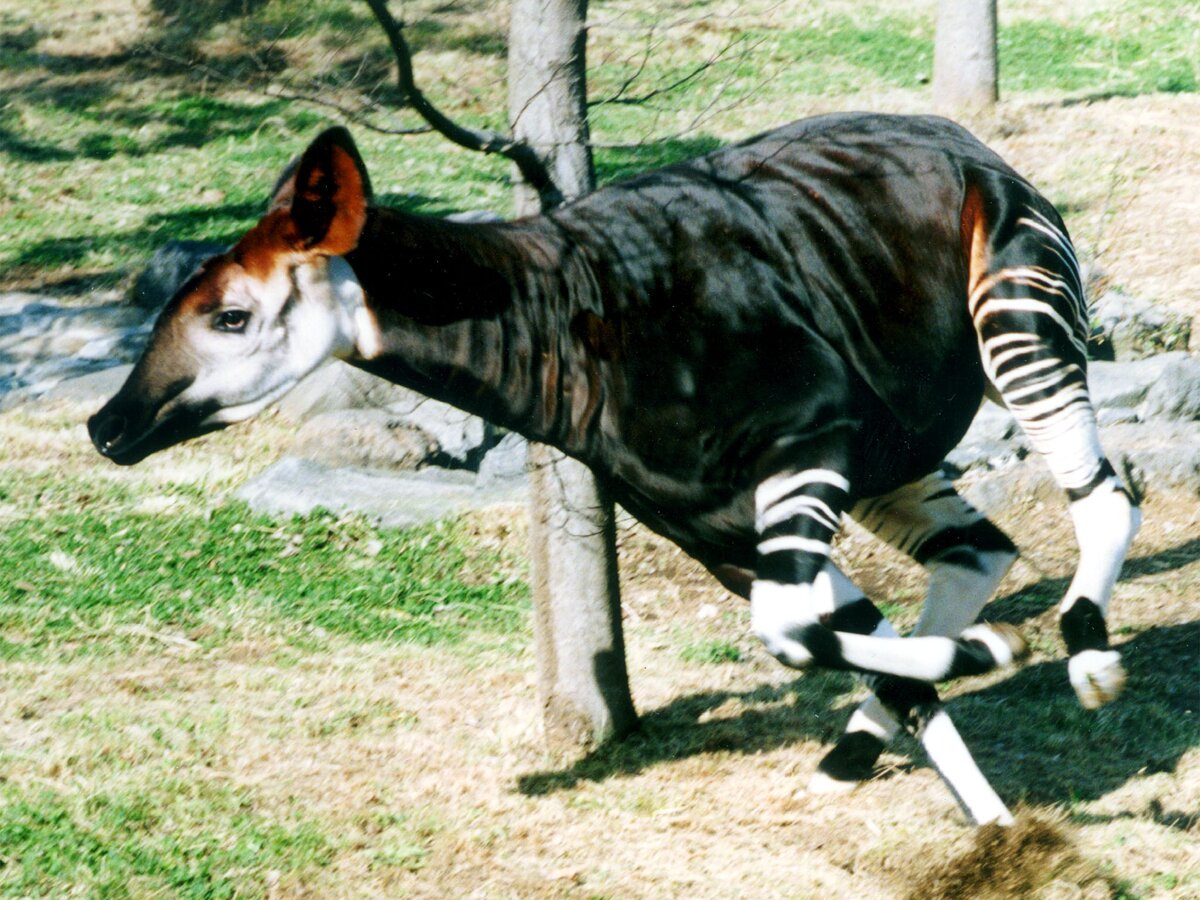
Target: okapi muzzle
x=254, y=321
x=146, y=416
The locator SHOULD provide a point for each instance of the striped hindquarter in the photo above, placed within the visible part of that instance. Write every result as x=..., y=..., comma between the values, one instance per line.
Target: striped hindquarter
x=1026, y=300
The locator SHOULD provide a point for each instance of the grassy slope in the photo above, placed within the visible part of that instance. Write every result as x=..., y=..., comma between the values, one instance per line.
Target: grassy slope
x=201, y=702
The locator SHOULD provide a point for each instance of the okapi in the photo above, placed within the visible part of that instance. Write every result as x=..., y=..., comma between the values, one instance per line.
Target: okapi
x=743, y=348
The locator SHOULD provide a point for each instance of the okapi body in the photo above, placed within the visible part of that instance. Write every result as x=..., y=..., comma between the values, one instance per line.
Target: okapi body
x=743, y=348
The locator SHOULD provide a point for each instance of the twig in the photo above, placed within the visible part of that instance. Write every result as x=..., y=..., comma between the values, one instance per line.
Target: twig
x=271, y=90
x=709, y=110
x=619, y=97
x=530, y=165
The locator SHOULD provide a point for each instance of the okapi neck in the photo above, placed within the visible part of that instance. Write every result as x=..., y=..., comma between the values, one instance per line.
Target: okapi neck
x=475, y=315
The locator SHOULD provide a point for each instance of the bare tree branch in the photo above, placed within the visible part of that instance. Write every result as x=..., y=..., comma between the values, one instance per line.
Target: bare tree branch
x=619, y=97
x=714, y=107
x=530, y=165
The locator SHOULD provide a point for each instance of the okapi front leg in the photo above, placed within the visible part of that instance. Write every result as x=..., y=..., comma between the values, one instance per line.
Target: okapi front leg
x=966, y=557
x=797, y=515
x=797, y=610
x=915, y=704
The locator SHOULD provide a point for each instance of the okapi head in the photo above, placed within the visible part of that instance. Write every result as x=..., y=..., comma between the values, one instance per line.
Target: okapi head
x=254, y=321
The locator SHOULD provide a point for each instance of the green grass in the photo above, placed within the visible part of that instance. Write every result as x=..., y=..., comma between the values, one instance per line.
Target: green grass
x=80, y=575
x=712, y=652
x=845, y=57
x=168, y=837
x=1047, y=56
x=109, y=191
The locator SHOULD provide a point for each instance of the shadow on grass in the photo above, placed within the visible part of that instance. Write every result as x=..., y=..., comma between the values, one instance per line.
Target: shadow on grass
x=1035, y=741
x=224, y=224
x=801, y=709
x=108, y=126
x=616, y=163
x=231, y=220
x=1032, y=601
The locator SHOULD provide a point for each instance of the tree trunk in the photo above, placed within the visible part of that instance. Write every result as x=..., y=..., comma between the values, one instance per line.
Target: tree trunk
x=964, y=55
x=582, y=679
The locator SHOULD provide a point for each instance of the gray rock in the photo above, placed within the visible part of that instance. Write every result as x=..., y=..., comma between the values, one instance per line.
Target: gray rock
x=94, y=388
x=372, y=438
x=44, y=341
x=1136, y=328
x=396, y=499
x=1094, y=276
x=461, y=437
x=13, y=303
x=1151, y=457
x=338, y=386
x=993, y=492
x=991, y=423
x=985, y=455
x=1114, y=384
x=475, y=215
x=993, y=441
x=1157, y=454
x=1175, y=394
x=1116, y=415
x=170, y=266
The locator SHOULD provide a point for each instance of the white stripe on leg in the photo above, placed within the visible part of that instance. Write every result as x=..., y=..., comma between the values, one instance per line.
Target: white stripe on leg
x=958, y=769
x=1105, y=524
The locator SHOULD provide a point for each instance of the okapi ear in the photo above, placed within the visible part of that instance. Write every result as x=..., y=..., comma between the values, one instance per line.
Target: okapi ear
x=327, y=192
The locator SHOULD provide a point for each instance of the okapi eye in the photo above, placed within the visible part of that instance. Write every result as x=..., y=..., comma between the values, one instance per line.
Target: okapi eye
x=231, y=320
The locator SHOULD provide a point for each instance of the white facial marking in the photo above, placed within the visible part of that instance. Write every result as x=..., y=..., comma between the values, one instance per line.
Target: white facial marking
x=301, y=316
x=367, y=339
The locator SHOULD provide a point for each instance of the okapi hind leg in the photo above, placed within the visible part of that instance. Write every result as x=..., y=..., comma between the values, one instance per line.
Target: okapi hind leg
x=1027, y=303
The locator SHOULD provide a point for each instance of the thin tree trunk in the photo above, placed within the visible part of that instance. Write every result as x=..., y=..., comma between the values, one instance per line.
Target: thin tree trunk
x=582, y=678
x=965, y=70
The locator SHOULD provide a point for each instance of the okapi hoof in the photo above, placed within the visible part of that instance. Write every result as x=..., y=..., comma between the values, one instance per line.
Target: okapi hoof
x=850, y=762
x=1097, y=676
x=1003, y=641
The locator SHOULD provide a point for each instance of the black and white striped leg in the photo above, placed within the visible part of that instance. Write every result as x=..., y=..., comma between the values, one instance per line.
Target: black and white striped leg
x=954, y=763
x=1031, y=319
x=897, y=703
x=794, y=592
x=1105, y=522
x=966, y=557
